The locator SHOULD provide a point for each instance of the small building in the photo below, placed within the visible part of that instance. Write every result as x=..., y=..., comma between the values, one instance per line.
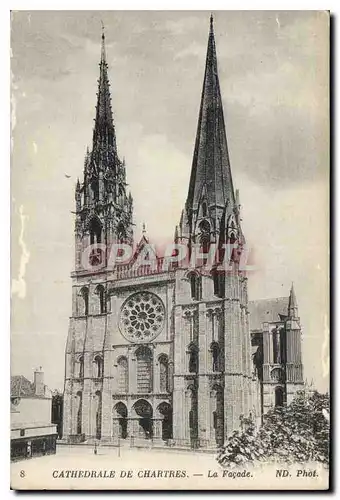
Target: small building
x=276, y=349
x=32, y=432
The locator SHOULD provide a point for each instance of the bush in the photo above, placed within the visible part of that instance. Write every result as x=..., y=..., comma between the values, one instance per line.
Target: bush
x=296, y=433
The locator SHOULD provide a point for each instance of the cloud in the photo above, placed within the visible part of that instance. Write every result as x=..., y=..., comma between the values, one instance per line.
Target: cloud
x=192, y=50
x=182, y=26
x=159, y=183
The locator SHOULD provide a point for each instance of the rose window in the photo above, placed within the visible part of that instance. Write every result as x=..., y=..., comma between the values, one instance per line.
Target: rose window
x=141, y=317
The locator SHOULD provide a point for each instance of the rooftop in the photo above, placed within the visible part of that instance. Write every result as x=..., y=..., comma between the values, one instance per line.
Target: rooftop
x=266, y=310
x=21, y=386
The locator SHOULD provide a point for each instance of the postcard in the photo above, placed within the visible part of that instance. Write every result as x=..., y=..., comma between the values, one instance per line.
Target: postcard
x=170, y=250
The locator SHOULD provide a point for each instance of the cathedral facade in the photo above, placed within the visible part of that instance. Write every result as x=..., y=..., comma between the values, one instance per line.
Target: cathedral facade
x=168, y=354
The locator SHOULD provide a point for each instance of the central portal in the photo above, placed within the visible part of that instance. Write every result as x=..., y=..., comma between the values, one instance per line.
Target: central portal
x=144, y=410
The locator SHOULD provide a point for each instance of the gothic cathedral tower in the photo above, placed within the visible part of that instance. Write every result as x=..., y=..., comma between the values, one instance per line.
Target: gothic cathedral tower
x=213, y=379
x=282, y=369
x=156, y=352
x=103, y=217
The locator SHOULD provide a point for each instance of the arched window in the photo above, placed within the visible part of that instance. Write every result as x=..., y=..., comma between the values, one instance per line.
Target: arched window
x=84, y=293
x=123, y=375
x=81, y=367
x=204, y=237
x=232, y=238
x=191, y=419
x=98, y=361
x=204, y=209
x=193, y=359
x=219, y=283
x=164, y=373
x=258, y=362
x=283, y=346
x=195, y=286
x=144, y=370
x=217, y=405
x=214, y=419
x=276, y=346
x=232, y=230
x=216, y=282
x=95, y=231
x=279, y=396
x=193, y=415
x=121, y=233
x=100, y=291
x=215, y=352
x=120, y=193
x=95, y=190
x=79, y=411
x=98, y=415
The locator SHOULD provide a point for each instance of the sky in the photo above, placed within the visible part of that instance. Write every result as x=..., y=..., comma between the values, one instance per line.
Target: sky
x=273, y=69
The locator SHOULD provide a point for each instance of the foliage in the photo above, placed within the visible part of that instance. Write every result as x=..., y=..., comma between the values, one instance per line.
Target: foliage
x=296, y=433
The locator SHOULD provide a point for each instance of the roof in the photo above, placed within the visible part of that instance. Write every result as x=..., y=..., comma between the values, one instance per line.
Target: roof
x=266, y=310
x=21, y=386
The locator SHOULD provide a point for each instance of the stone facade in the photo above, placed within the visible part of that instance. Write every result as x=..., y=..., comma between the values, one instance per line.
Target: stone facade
x=159, y=355
x=276, y=346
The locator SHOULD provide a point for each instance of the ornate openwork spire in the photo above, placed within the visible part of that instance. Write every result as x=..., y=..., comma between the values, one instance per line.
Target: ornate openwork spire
x=210, y=167
x=104, y=131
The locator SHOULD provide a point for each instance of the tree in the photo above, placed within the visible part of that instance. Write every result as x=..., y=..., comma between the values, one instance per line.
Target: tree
x=296, y=433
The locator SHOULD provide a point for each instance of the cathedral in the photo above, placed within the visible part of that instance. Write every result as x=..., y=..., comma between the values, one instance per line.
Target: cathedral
x=170, y=355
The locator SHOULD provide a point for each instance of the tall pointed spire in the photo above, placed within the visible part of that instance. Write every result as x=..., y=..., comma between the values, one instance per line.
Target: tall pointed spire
x=292, y=303
x=211, y=167
x=104, y=131
x=103, y=190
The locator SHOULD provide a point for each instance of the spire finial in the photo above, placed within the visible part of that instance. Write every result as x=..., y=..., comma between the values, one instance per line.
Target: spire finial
x=292, y=303
x=143, y=229
x=211, y=23
x=103, y=55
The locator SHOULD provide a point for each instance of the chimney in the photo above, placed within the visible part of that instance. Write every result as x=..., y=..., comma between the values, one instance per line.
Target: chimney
x=39, y=385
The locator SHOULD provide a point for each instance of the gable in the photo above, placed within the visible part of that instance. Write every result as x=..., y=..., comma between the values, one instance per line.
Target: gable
x=21, y=386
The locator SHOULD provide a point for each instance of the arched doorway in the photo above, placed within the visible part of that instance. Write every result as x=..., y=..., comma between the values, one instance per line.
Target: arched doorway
x=79, y=412
x=279, y=396
x=166, y=410
x=217, y=407
x=144, y=411
x=121, y=414
x=98, y=396
x=191, y=401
